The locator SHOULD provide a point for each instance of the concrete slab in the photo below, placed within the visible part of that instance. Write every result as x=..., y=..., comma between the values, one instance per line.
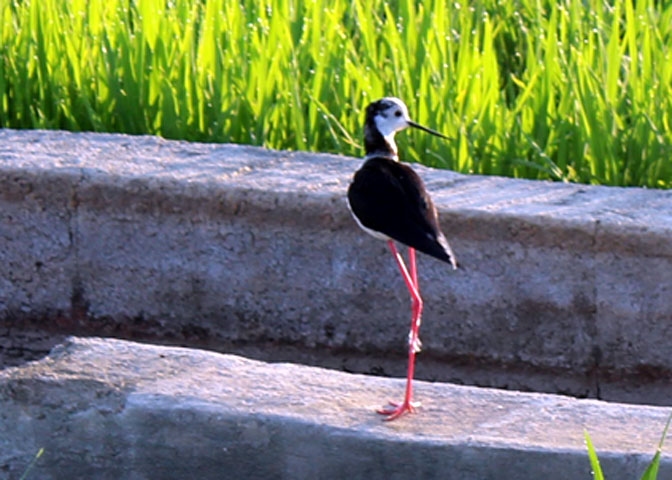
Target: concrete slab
x=104, y=408
x=565, y=288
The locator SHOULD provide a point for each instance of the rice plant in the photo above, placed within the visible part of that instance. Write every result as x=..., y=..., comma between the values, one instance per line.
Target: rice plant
x=570, y=90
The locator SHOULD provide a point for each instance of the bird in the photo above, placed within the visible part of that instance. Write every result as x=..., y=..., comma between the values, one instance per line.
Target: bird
x=389, y=201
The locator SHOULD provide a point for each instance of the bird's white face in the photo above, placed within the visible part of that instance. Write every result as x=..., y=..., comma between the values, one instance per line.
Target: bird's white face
x=386, y=117
x=393, y=118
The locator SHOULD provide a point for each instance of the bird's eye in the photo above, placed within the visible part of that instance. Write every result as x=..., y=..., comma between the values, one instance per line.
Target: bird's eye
x=397, y=113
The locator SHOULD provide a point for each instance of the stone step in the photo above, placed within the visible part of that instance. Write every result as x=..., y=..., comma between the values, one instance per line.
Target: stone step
x=104, y=408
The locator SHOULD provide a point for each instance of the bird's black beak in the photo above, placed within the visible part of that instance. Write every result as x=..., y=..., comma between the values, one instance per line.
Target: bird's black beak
x=428, y=130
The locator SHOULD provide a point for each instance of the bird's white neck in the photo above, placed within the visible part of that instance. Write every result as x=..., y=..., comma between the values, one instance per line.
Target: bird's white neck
x=379, y=144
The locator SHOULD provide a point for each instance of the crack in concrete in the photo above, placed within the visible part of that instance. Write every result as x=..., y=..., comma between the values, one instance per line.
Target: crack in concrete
x=78, y=304
x=597, y=352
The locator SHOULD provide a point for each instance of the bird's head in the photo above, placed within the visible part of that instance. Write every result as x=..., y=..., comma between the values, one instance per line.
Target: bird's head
x=387, y=116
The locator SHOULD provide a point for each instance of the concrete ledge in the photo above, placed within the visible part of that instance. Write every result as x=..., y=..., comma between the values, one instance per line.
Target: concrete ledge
x=119, y=410
x=566, y=288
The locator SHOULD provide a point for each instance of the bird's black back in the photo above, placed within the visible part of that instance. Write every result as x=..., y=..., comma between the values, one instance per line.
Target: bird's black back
x=389, y=197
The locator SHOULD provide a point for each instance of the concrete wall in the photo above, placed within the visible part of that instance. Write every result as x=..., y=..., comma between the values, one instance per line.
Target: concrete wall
x=565, y=288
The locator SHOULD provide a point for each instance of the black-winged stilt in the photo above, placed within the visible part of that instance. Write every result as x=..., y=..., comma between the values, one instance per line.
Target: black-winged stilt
x=389, y=201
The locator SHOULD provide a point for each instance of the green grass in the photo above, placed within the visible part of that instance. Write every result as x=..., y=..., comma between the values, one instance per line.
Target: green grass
x=32, y=463
x=651, y=472
x=573, y=90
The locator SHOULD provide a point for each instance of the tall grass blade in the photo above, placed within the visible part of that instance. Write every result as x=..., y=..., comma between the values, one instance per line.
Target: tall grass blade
x=594, y=461
x=30, y=466
x=651, y=472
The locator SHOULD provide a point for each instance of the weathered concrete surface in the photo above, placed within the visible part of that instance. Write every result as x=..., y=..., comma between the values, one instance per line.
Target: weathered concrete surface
x=566, y=288
x=120, y=410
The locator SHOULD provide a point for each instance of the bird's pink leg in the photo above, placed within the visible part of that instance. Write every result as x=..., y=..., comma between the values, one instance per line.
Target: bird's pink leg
x=417, y=300
x=394, y=410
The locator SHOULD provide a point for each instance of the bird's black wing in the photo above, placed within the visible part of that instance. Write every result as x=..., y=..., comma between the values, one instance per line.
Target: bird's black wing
x=390, y=198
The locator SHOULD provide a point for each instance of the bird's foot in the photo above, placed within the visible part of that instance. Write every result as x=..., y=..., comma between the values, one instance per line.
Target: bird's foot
x=394, y=410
